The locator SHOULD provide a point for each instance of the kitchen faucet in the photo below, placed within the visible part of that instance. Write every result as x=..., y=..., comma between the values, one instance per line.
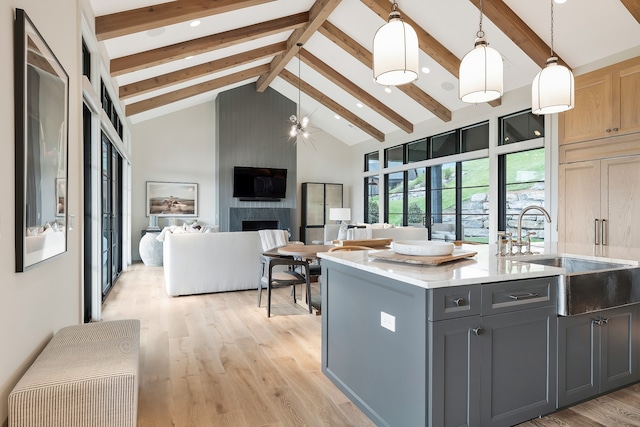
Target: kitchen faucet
x=519, y=243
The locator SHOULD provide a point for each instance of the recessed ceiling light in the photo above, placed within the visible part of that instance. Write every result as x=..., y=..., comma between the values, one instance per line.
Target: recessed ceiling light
x=155, y=32
x=426, y=70
x=194, y=23
x=560, y=1
x=447, y=86
x=337, y=117
x=387, y=89
x=359, y=105
x=537, y=132
x=189, y=57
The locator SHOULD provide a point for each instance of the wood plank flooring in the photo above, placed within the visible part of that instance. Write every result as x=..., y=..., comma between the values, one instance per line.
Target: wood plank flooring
x=216, y=360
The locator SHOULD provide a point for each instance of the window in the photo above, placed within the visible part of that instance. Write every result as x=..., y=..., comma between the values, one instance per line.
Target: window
x=417, y=197
x=442, y=145
x=521, y=126
x=372, y=161
x=474, y=194
x=524, y=185
x=417, y=151
x=443, y=202
x=475, y=137
x=395, y=198
x=394, y=156
x=372, y=198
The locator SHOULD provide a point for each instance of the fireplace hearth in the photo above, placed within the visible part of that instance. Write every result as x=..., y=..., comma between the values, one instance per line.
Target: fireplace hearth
x=250, y=219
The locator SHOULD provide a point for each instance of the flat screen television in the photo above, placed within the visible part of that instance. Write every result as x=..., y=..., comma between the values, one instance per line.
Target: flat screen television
x=259, y=183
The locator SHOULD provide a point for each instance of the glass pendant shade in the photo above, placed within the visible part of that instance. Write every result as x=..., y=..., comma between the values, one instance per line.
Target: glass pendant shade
x=552, y=90
x=481, y=72
x=395, y=53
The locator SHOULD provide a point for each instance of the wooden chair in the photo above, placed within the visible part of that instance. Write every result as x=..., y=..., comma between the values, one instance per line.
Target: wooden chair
x=270, y=278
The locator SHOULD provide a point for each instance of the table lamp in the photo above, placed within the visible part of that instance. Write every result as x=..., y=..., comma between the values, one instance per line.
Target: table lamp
x=340, y=215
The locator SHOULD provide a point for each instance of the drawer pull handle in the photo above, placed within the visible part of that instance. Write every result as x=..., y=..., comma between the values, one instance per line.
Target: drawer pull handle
x=459, y=302
x=524, y=296
x=478, y=331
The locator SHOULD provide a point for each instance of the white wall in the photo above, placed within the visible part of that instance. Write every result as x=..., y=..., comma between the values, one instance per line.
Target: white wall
x=329, y=160
x=35, y=304
x=177, y=147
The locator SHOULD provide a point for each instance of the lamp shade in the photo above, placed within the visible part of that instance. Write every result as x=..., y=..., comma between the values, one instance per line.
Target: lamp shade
x=395, y=53
x=480, y=77
x=553, y=89
x=340, y=214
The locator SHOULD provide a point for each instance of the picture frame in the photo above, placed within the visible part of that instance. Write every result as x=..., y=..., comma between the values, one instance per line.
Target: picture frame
x=172, y=199
x=41, y=147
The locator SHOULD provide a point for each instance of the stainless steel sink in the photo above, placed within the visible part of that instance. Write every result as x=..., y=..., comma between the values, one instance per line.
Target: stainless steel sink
x=592, y=285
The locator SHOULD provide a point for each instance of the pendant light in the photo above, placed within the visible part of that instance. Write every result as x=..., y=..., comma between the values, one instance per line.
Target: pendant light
x=395, y=52
x=553, y=87
x=481, y=70
x=299, y=126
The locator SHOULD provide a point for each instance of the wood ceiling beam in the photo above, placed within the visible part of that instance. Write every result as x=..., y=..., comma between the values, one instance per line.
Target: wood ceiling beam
x=428, y=44
x=331, y=105
x=177, y=95
x=318, y=14
x=159, y=15
x=516, y=29
x=633, y=6
x=359, y=52
x=181, y=76
x=355, y=91
x=162, y=55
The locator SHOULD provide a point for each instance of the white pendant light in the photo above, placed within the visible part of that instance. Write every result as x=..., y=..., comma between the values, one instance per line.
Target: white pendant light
x=553, y=89
x=395, y=52
x=481, y=71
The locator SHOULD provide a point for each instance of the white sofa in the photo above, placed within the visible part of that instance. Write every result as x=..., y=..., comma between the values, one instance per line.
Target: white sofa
x=395, y=233
x=198, y=263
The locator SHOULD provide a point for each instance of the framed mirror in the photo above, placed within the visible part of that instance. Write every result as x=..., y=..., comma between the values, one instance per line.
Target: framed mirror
x=41, y=129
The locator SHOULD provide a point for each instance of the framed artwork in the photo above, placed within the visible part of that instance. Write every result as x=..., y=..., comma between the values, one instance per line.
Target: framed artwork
x=172, y=199
x=41, y=132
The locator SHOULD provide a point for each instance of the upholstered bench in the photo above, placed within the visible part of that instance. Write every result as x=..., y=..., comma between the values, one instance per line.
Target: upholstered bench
x=87, y=375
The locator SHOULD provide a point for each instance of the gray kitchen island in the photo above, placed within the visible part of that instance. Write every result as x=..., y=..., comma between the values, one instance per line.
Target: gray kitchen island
x=471, y=342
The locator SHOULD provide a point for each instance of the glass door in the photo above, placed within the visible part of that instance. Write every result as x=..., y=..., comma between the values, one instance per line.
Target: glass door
x=111, y=215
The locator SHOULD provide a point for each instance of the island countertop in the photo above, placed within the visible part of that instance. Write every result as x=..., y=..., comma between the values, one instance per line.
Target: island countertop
x=484, y=267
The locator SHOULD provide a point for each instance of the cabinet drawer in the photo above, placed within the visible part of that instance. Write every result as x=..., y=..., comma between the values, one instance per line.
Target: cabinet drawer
x=518, y=295
x=458, y=301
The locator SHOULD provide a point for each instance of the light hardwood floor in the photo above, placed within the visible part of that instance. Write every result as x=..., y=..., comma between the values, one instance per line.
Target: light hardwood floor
x=216, y=360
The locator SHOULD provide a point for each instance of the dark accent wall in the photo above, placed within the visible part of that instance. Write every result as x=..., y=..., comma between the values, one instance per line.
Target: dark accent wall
x=252, y=130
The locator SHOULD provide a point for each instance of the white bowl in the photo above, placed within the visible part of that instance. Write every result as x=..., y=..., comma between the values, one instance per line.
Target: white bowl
x=423, y=247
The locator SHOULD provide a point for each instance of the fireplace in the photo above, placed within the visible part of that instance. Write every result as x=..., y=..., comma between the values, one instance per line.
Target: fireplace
x=259, y=225
x=259, y=219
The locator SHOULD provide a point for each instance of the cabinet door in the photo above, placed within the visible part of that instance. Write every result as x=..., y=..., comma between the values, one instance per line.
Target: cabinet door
x=627, y=119
x=620, y=202
x=314, y=201
x=518, y=372
x=455, y=362
x=591, y=116
x=618, y=348
x=333, y=197
x=578, y=358
x=579, y=197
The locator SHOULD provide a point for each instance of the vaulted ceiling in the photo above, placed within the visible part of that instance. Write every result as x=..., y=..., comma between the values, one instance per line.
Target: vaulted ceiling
x=162, y=64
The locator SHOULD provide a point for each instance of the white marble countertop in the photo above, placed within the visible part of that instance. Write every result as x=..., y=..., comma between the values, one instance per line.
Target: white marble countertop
x=484, y=267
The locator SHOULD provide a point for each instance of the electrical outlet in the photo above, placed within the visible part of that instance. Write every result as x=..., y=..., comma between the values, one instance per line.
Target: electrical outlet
x=388, y=321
